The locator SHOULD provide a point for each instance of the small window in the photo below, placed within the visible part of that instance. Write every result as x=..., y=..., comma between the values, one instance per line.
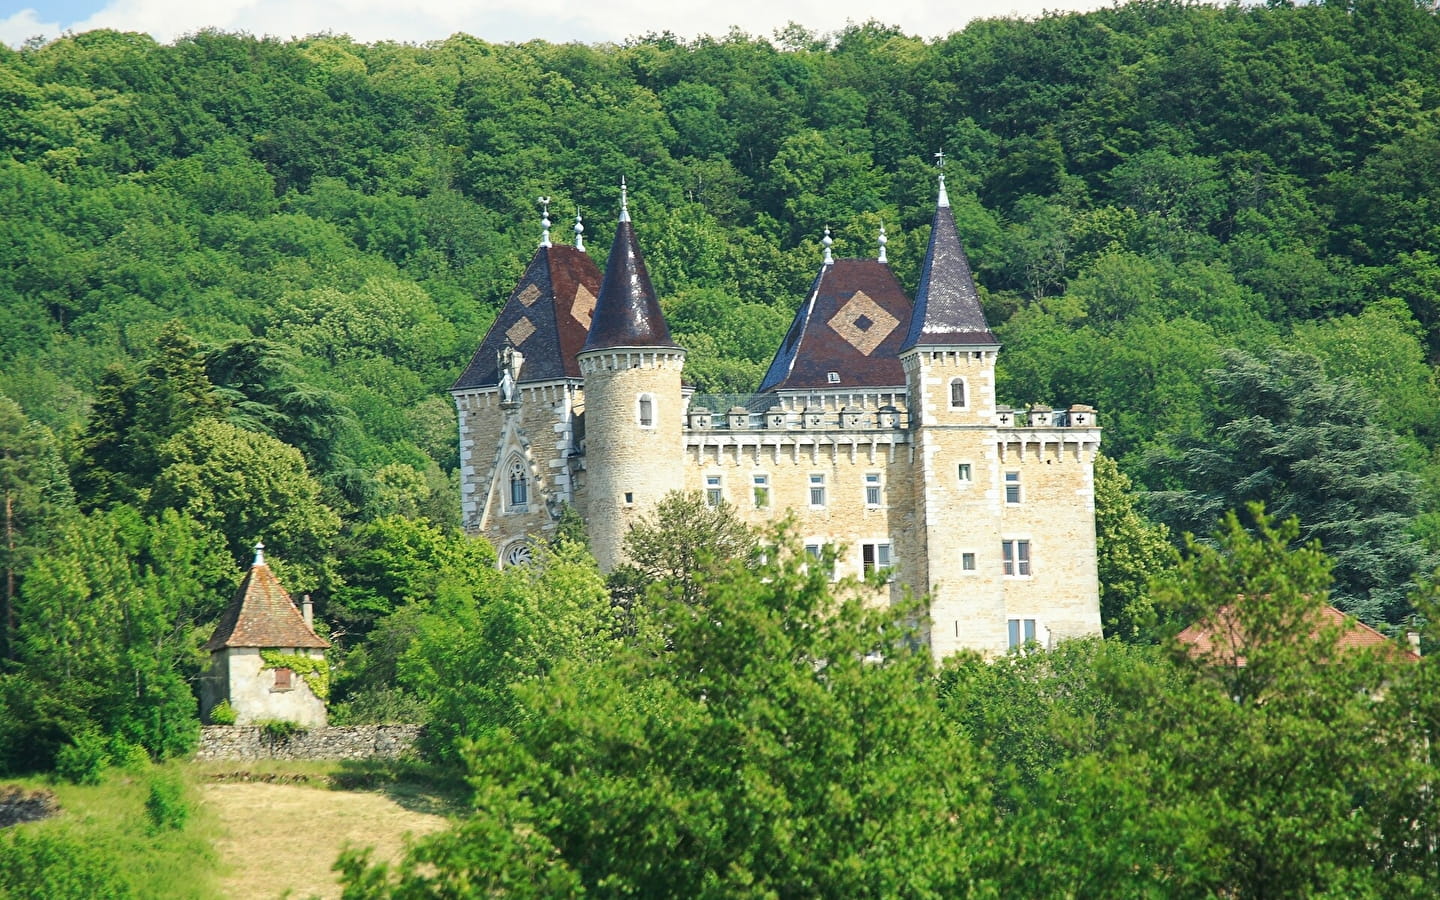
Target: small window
x=762, y=491
x=647, y=411
x=1022, y=632
x=874, y=557
x=1016, y=557
x=629, y=498
x=957, y=393
x=872, y=488
x=284, y=679
x=817, y=490
x=962, y=471
x=1012, y=487
x=714, y=492
x=519, y=486
x=967, y=562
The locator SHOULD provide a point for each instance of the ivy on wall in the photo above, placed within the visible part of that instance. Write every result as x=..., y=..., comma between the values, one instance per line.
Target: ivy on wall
x=316, y=672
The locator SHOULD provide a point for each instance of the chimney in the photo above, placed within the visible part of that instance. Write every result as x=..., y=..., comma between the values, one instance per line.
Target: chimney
x=308, y=611
x=1414, y=638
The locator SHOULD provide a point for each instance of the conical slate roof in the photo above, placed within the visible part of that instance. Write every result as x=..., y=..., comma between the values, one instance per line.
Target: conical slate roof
x=851, y=324
x=947, y=305
x=627, y=313
x=263, y=615
x=546, y=319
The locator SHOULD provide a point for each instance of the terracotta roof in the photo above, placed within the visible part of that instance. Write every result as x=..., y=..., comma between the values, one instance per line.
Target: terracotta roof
x=1216, y=635
x=947, y=305
x=546, y=319
x=263, y=615
x=627, y=313
x=851, y=324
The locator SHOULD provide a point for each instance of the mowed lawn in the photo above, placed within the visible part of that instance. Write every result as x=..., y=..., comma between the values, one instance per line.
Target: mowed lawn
x=276, y=840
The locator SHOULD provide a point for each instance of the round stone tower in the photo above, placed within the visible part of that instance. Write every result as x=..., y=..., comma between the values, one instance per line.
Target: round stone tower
x=634, y=436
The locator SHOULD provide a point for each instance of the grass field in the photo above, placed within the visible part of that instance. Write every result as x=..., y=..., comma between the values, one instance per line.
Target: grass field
x=258, y=830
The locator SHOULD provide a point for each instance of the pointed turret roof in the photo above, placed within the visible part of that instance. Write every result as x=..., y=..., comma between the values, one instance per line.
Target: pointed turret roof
x=546, y=319
x=947, y=305
x=627, y=313
x=263, y=615
x=851, y=324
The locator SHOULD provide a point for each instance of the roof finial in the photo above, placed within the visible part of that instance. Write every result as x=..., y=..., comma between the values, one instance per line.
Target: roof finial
x=624, y=201
x=828, y=241
x=579, y=231
x=545, y=221
x=259, y=553
x=883, y=241
x=940, y=164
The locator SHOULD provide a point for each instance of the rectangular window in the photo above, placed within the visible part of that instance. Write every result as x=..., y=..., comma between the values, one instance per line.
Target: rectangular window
x=874, y=557
x=872, y=488
x=714, y=494
x=816, y=552
x=967, y=562
x=957, y=393
x=817, y=490
x=284, y=679
x=629, y=498
x=647, y=412
x=1016, y=555
x=1012, y=487
x=963, y=472
x=1022, y=632
x=762, y=491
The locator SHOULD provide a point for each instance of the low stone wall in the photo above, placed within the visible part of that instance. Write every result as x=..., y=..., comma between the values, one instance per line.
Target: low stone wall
x=330, y=742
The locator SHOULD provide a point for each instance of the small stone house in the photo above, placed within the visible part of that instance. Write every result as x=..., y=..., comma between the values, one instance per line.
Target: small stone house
x=265, y=658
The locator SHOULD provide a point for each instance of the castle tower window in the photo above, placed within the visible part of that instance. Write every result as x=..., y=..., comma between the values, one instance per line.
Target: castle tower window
x=1016, y=556
x=714, y=492
x=1012, y=487
x=761, y=485
x=519, y=486
x=1021, y=632
x=872, y=488
x=967, y=562
x=962, y=472
x=646, y=411
x=874, y=557
x=817, y=490
x=957, y=393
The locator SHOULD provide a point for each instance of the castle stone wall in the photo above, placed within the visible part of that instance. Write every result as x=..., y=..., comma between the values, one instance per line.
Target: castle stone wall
x=242, y=742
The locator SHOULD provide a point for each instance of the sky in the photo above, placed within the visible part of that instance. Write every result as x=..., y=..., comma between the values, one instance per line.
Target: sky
x=417, y=21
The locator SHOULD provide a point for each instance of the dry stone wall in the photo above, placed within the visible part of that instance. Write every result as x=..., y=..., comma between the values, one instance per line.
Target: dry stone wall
x=240, y=742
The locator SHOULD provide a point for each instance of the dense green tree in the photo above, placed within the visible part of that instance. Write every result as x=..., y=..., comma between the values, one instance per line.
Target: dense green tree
x=1130, y=551
x=675, y=546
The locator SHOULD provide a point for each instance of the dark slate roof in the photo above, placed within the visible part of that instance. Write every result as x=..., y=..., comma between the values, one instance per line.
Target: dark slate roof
x=947, y=306
x=546, y=319
x=263, y=615
x=852, y=323
x=628, y=313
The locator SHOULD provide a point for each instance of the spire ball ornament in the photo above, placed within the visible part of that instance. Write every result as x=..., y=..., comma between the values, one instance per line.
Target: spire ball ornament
x=579, y=232
x=624, y=201
x=828, y=241
x=545, y=221
x=883, y=240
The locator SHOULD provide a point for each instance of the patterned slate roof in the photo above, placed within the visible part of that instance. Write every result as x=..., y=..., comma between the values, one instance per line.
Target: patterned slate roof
x=263, y=615
x=947, y=305
x=546, y=319
x=627, y=313
x=852, y=324
x=1220, y=635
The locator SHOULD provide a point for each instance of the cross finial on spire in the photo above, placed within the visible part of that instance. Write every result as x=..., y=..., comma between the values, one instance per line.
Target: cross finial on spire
x=259, y=553
x=624, y=201
x=883, y=241
x=579, y=231
x=828, y=241
x=545, y=221
x=940, y=164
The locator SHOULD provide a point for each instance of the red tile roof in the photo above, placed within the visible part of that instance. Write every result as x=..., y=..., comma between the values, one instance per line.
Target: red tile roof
x=263, y=615
x=1220, y=634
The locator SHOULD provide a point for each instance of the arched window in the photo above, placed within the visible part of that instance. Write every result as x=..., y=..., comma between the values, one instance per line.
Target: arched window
x=519, y=486
x=646, y=411
x=957, y=393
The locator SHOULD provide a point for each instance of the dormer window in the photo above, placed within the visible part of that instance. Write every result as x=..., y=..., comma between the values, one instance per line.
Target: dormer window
x=832, y=377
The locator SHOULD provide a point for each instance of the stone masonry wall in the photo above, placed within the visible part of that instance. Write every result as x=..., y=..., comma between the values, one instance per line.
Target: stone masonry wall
x=240, y=742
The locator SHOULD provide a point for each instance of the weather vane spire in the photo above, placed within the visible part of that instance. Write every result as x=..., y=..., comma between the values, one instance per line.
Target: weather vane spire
x=883, y=240
x=545, y=221
x=940, y=164
x=624, y=201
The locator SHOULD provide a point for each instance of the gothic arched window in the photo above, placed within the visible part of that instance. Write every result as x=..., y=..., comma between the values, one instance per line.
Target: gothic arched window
x=519, y=486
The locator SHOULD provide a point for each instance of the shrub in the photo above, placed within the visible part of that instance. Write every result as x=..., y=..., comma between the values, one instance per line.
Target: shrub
x=280, y=729
x=166, y=806
x=222, y=713
x=84, y=760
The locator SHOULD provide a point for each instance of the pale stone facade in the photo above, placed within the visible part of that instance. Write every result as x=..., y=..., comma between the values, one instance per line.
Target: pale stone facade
x=894, y=451
x=260, y=694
